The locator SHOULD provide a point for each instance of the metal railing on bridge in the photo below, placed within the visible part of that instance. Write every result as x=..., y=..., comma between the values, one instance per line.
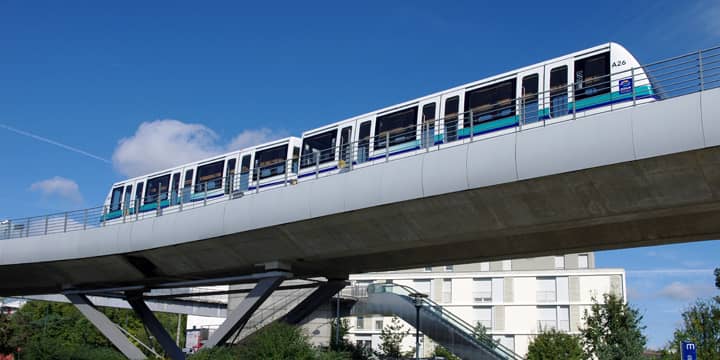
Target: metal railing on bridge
x=681, y=75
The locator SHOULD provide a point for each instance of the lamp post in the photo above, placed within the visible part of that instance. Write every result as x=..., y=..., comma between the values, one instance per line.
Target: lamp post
x=418, y=302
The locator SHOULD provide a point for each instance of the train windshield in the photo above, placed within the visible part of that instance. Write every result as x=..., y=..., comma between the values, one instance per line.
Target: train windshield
x=592, y=76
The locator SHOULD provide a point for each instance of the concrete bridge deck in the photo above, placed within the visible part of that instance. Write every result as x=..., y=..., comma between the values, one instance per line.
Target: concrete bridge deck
x=641, y=175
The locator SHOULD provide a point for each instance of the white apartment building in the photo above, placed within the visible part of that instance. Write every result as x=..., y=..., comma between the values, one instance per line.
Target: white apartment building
x=513, y=299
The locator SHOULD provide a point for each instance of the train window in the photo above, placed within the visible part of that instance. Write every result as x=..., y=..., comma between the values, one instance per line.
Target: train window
x=188, y=178
x=139, y=193
x=558, y=91
x=428, y=121
x=400, y=125
x=128, y=195
x=364, y=142
x=157, y=187
x=175, y=187
x=271, y=162
x=530, y=86
x=245, y=164
x=592, y=76
x=345, y=143
x=116, y=198
x=209, y=176
x=295, y=159
x=491, y=102
x=321, y=145
x=452, y=106
x=230, y=175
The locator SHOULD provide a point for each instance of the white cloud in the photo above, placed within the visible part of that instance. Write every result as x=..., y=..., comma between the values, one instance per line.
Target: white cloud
x=686, y=291
x=162, y=144
x=253, y=137
x=58, y=186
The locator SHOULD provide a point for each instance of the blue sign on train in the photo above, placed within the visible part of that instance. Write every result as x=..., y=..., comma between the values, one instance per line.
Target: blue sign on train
x=626, y=86
x=688, y=350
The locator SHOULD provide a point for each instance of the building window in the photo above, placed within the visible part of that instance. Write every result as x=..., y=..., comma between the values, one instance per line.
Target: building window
x=508, y=341
x=485, y=266
x=449, y=268
x=428, y=269
x=483, y=315
x=482, y=290
x=564, y=318
x=547, y=318
x=364, y=343
x=447, y=291
x=378, y=324
x=559, y=262
x=546, y=290
x=507, y=265
x=582, y=261
x=422, y=286
x=360, y=323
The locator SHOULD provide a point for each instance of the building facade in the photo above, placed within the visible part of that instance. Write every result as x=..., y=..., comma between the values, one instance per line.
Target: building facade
x=514, y=299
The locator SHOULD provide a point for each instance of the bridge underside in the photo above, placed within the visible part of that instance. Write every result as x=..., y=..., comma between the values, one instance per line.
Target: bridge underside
x=659, y=200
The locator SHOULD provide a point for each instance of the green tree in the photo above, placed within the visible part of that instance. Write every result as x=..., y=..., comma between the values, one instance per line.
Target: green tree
x=613, y=330
x=717, y=282
x=40, y=326
x=701, y=325
x=553, y=344
x=480, y=333
x=354, y=351
x=6, y=334
x=441, y=351
x=391, y=337
x=277, y=341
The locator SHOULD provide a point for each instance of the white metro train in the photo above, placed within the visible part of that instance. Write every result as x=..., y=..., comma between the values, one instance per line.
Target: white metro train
x=577, y=84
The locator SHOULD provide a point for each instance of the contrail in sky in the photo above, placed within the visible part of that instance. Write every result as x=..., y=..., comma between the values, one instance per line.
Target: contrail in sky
x=52, y=142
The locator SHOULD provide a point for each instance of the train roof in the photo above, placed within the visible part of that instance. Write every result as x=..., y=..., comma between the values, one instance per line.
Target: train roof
x=465, y=85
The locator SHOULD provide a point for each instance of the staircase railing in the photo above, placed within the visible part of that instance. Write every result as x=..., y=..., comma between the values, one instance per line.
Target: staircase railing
x=467, y=330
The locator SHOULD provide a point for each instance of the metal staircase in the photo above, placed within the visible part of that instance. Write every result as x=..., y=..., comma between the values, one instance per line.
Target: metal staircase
x=444, y=327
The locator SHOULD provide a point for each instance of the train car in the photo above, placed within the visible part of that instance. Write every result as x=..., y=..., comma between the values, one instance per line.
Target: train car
x=578, y=84
x=260, y=167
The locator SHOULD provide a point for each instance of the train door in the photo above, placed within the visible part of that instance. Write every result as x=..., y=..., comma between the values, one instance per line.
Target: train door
x=230, y=167
x=188, y=184
x=428, y=116
x=558, y=103
x=175, y=188
x=450, y=106
x=345, y=148
x=362, y=139
x=245, y=162
x=529, y=90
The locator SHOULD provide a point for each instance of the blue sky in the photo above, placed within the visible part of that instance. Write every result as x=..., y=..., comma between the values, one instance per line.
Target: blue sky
x=97, y=76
